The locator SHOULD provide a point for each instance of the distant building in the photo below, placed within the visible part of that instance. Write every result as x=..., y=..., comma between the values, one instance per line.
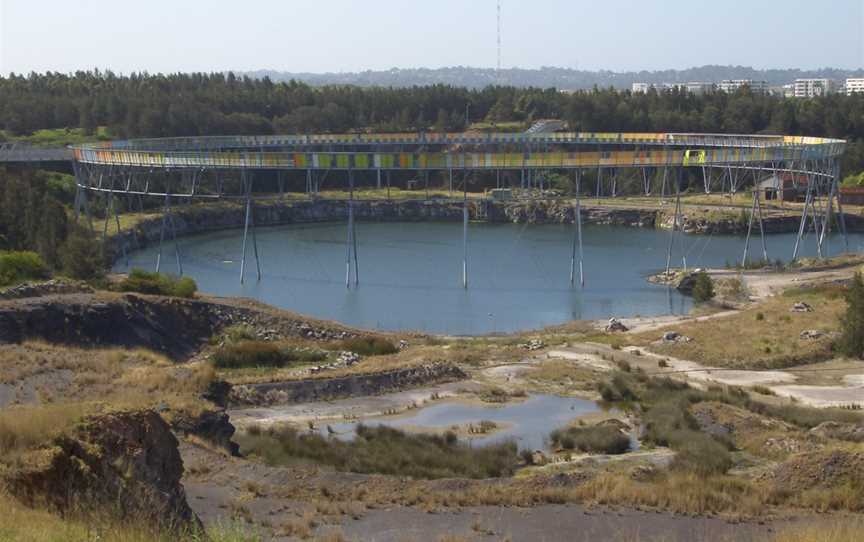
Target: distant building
x=693, y=87
x=854, y=86
x=733, y=85
x=699, y=87
x=812, y=88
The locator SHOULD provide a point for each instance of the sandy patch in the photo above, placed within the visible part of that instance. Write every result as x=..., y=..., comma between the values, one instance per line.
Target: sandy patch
x=348, y=409
x=823, y=396
x=586, y=360
x=854, y=380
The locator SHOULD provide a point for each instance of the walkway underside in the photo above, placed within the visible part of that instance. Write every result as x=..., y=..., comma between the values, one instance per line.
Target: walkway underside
x=664, y=164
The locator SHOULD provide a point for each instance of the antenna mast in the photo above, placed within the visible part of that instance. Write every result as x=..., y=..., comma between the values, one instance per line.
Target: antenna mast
x=498, y=68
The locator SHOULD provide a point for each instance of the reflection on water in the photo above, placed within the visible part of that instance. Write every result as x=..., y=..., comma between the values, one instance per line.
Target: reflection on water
x=410, y=273
x=527, y=422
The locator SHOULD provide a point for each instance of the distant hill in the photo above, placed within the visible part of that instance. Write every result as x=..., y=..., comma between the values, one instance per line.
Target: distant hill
x=547, y=77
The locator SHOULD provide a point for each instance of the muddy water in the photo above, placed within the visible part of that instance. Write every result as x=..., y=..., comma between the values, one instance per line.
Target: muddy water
x=528, y=422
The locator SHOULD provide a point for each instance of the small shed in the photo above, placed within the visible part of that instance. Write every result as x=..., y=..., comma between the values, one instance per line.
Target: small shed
x=784, y=187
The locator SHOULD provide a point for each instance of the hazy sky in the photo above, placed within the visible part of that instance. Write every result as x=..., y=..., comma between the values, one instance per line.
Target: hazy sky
x=345, y=35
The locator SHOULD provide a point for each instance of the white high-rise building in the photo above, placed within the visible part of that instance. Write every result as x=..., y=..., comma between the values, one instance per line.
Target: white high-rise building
x=811, y=88
x=699, y=87
x=640, y=88
x=855, y=86
x=733, y=85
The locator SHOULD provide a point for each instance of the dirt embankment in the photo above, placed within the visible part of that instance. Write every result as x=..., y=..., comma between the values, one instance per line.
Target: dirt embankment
x=176, y=327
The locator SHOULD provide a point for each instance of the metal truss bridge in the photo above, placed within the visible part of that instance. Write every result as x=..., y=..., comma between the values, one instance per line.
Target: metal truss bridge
x=251, y=168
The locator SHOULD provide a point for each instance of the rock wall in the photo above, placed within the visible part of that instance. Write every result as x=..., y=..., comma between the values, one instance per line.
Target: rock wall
x=174, y=326
x=192, y=219
x=772, y=224
x=321, y=389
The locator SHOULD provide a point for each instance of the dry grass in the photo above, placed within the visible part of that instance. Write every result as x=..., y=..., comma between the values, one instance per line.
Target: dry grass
x=769, y=341
x=834, y=530
x=59, y=385
x=562, y=373
x=22, y=428
x=686, y=493
x=21, y=524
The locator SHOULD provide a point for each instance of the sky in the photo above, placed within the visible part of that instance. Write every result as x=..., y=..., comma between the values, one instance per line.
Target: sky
x=345, y=35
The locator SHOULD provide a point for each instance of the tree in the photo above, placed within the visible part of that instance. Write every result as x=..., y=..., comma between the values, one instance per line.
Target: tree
x=851, y=342
x=703, y=288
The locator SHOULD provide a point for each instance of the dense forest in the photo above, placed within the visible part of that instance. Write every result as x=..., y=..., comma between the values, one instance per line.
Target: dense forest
x=142, y=105
x=562, y=78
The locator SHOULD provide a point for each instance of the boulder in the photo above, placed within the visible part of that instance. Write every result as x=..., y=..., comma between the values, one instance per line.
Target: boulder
x=615, y=325
x=801, y=307
x=675, y=337
x=213, y=426
x=128, y=463
x=811, y=334
x=532, y=345
x=539, y=458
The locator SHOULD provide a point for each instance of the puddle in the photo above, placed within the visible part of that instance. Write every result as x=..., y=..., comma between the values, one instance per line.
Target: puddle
x=527, y=422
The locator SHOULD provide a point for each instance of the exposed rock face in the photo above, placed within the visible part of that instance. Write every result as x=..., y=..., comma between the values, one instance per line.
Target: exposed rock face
x=128, y=463
x=841, y=431
x=212, y=426
x=176, y=327
x=822, y=469
x=301, y=391
x=196, y=219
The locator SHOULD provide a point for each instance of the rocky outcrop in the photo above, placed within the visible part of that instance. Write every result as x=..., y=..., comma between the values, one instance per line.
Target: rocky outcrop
x=126, y=463
x=212, y=426
x=738, y=225
x=174, y=326
x=321, y=389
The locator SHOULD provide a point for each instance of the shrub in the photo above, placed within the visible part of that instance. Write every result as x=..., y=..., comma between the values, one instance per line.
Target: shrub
x=81, y=255
x=618, y=388
x=851, y=341
x=701, y=454
x=703, y=288
x=368, y=346
x=239, y=332
x=603, y=439
x=245, y=354
x=17, y=267
x=145, y=282
x=384, y=450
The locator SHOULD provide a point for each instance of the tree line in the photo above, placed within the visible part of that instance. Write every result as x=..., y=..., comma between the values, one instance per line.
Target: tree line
x=146, y=105
x=35, y=216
